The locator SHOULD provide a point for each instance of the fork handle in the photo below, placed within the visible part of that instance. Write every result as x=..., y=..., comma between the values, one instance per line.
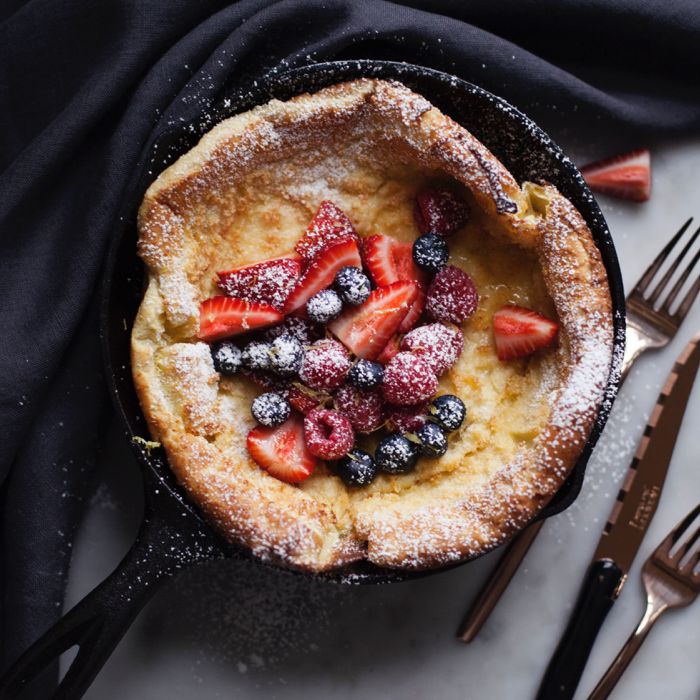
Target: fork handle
x=598, y=592
x=630, y=648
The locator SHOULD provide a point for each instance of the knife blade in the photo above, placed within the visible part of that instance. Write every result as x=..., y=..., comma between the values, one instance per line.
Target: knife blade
x=624, y=531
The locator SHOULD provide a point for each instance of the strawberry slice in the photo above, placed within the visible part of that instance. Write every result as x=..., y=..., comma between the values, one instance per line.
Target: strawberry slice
x=269, y=281
x=518, y=332
x=221, y=317
x=281, y=451
x=627, y=176
x=329, y=225
x=389, y=260
x=393, y=347
x=366, y=329
x=322, y=270
x=439, y=211
x=415, y=312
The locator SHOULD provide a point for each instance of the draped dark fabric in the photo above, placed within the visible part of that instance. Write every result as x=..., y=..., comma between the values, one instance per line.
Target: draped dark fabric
x=85, y=85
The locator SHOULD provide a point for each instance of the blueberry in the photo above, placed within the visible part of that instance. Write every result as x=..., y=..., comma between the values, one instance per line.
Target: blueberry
x=433, y=440
x=448, y=411
x=256, y=355
x=227, y=358
x=324, y=306
x=271, y=409
x=430, y=252
x=366, y=375
x=304, y=331
x=286, y=355
x=353, y=285
x=396, y=454
x=357, y=468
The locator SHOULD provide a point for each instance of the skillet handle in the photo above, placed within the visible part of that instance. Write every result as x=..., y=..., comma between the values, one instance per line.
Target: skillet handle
x=101, y=618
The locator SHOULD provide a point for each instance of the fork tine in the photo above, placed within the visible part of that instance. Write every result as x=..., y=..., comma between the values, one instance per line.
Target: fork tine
x=647, y=277
x=689, y=297
x=687, y=545
x=677, y=532
x=690, y=565
x=673, y=267
x=679, y=284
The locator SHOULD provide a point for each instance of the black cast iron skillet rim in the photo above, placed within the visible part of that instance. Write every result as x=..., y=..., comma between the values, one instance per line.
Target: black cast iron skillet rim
x=173, y=534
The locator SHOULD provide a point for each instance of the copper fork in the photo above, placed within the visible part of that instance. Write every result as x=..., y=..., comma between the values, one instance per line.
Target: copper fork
x=652, y=322
x=671, y=577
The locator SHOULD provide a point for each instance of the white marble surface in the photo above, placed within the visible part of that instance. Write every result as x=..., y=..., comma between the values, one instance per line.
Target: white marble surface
x=230, y=630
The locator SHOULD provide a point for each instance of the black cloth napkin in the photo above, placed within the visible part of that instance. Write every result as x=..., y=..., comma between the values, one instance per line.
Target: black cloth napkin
x=85, y=86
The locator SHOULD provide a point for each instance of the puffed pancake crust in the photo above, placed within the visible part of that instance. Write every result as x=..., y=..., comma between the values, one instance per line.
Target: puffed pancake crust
x=245, y=193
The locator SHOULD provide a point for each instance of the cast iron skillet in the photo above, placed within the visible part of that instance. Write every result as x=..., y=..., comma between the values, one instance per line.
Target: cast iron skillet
x=173, y=534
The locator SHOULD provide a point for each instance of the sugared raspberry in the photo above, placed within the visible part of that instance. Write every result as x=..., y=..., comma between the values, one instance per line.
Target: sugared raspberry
x=304, y=399
x=451, y=296
x=364, y=409
x=326, y=364
x=328, y=434
x=306, y=332
x=406, y=419
x=439, y=211
x=408, y=380
x=439, y=345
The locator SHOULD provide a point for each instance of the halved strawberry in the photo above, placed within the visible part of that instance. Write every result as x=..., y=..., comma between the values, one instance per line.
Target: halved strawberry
x=329, y=225
x=415, y=312
x=281, y=451
x=627, y=176
x=518, y=332
x=439, y=211
x=321, y=272
x=269, y=281
x=393, y=347
x=366, y=329
x=222, y=317
x=389, y=260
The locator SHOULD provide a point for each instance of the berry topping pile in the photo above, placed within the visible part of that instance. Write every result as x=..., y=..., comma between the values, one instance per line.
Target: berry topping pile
x=350, y=337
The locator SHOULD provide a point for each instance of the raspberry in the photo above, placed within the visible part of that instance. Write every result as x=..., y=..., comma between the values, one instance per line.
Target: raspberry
x=439, y=211
x=304, y=399
x=451, y=296
x=408, y=380
x=326, y=364
x=328, y=434
x=364, y=409
x=407, y=419
x=439, y=345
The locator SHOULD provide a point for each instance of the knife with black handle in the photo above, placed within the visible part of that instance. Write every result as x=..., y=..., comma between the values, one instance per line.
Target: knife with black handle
x=623, y=533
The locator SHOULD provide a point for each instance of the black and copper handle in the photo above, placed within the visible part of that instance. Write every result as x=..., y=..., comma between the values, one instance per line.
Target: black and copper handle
x=600, y=588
